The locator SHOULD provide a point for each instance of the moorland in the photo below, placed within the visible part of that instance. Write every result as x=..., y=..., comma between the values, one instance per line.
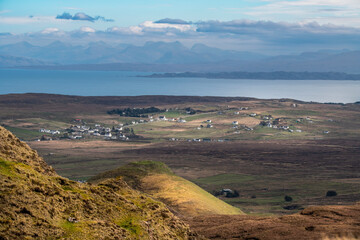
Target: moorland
x=263, y=149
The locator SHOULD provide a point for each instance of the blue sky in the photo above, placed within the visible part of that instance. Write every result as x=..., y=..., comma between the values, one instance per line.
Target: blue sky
x=280, y=25
x=128, y=13
x=124, y=13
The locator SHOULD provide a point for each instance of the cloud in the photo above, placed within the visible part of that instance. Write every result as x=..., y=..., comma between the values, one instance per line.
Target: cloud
x=82, y=17
x=132, y=30
x=323, y=11
x=50, y=30
x=172, y=21
x=27, y=20
x=87, y=29
x=247, y=35
x=248, y=27
x=154, y=28
x=65, y=15
x=162, y=27
x=284, y=36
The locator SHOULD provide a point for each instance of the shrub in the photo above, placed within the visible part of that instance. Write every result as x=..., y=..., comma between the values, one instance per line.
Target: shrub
x=232, y=194
x=331, y=194
x=288, y=198
x=293, y=207
x=216, y=193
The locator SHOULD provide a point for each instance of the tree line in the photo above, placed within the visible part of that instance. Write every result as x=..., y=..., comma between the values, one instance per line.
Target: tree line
x=135, y=112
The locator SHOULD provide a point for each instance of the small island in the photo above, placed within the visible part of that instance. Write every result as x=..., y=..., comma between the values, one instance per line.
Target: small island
x=279, y=75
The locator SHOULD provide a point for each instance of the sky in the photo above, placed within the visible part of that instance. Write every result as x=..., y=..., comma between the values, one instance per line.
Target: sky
x=258, y=25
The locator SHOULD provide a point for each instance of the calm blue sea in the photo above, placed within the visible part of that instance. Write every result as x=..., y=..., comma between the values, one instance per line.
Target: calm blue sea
x=112, y=83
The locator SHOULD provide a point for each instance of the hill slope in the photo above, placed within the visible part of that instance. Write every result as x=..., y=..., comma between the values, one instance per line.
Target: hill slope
x=181, y=195
x=36, y=203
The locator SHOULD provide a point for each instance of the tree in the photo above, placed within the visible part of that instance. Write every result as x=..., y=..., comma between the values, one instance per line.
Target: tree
x=236, y=193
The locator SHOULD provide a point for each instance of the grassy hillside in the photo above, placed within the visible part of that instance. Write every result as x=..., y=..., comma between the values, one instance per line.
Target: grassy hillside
x=182, y=196
x=36, y=203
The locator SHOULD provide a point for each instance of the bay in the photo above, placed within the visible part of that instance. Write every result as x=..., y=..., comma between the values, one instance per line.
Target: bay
x=119, y=83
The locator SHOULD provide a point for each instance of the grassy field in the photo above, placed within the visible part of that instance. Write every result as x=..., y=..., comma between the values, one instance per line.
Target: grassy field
x=262, y=171
x=259, y=192
x=25, y=134
x=224, y=179
x=297, y=113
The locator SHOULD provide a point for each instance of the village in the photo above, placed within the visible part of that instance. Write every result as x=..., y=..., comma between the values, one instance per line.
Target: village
x=80, y=129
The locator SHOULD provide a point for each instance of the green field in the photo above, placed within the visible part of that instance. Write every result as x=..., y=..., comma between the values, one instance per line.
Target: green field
x=25, y=134
x=268, y=192
x=224, y=179
x=295, y=113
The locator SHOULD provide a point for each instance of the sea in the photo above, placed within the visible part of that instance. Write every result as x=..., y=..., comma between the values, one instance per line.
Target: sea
x=122, y=83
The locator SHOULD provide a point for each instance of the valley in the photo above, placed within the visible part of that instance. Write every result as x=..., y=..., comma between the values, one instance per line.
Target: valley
x=220, y=145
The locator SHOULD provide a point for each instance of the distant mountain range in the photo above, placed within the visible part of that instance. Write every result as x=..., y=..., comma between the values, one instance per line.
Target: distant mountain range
x=101, y=52
x=9, y=61
x=171, y=57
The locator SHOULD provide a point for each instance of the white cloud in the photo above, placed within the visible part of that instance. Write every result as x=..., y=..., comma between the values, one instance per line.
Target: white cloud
x=264, y=36
x=152, y=25
x=323, y=11
x=132, y=30
x=50, y=30
x=87, y=29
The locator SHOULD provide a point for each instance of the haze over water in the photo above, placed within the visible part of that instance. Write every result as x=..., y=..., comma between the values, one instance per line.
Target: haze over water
x=114, y=83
